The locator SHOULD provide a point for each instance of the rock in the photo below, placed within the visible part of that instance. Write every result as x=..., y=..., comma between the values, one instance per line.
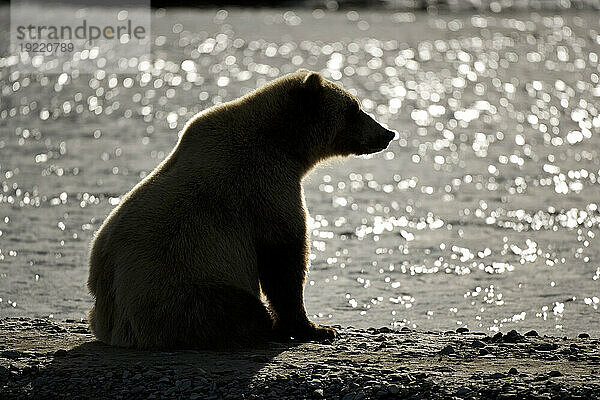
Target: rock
x=555, y=374
x=420, y=375
x=483, y=352
x=513, y=337
x=546, y=347
x=507, y=396
x=348, y=396
x=513, y=371
x=447, y=350
x=462, y=330
x=584, y=336
x=531, y=333
x=385, y=329
x=12, y=354
x=394, y=389
x=137, y=389
x=497, y=337
x=318, y=393
x=60, y=353
x=477, y=344
x=496, y=375
x=125, y=374
x=463, y=391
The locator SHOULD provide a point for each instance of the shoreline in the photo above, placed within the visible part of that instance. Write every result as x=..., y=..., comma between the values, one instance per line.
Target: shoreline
x=41, y=358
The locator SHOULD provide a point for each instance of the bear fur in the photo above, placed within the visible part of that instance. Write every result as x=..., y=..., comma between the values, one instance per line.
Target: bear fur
x=184, y=259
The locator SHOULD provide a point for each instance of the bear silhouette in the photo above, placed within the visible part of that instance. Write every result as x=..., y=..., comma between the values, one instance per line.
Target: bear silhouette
x=186, y=257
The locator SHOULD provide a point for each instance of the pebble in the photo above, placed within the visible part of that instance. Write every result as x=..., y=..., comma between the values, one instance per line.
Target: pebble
x=584, y=336
x=497, y=375
x=13, y=355
x=546, y=347
x=137, y=389
x=360, y=380
x=513, y=337
x=60, y=353
x=531, y=333
x=463, y=391
x=462, y=330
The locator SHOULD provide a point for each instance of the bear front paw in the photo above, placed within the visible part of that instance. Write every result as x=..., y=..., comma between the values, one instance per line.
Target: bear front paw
x=306, y=333
x=322, y=333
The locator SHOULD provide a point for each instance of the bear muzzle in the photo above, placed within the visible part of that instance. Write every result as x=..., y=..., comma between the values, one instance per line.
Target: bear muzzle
x=374, y=137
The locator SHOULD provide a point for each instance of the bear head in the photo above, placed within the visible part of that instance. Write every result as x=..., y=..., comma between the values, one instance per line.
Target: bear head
x=332, y=121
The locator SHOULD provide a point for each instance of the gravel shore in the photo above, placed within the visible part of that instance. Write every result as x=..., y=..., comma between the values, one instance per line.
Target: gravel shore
x=42, y=358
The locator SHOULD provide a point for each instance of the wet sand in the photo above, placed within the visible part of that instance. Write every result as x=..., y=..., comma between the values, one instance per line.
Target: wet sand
x=45, y=359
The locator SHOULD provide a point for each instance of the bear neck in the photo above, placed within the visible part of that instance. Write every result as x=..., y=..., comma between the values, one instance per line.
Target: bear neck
x=254, y=131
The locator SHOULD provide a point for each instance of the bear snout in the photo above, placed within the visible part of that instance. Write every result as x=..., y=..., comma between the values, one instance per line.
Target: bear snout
x=375, y=136
x=380, y=141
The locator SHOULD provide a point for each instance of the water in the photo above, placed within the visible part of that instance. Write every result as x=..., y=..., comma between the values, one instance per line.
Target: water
x=483, y=213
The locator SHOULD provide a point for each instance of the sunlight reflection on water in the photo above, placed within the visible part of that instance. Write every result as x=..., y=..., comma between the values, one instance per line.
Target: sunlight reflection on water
x=482, y=213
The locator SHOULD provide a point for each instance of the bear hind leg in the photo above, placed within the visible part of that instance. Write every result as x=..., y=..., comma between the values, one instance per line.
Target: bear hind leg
x=203, y=316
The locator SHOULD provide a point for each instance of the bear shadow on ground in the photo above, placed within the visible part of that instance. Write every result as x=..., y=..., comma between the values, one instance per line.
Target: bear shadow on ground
x=96, y=370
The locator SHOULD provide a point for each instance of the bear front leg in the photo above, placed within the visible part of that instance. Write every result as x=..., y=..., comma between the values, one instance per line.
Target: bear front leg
x=282, y=271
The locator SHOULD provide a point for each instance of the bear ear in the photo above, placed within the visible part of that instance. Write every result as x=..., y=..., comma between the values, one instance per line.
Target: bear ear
x=313, y=82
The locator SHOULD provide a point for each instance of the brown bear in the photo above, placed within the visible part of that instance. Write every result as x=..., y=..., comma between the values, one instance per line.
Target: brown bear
x=184, y=259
